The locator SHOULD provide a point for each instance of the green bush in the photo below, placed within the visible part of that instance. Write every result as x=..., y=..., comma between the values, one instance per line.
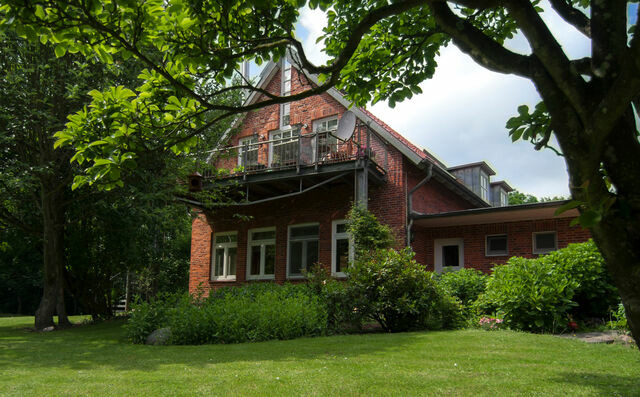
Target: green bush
x=367, y=232
x=146, y=317
x=465, y=284
x=529, y=295
x=342, y=313
x=595, y=294
x=619, y=319
x=391, y=288
x=257, y=312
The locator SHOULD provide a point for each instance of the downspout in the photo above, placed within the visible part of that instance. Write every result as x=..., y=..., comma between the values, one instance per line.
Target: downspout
x=410, y=210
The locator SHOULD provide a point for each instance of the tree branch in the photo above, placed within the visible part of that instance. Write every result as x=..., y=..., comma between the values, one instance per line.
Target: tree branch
x=550, y=53
x=477, y=45
x=573, y=16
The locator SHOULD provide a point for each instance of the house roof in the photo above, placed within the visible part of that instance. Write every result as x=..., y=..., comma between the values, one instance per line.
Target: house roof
x=510, y=213
x=482, y=164
x=504, y=185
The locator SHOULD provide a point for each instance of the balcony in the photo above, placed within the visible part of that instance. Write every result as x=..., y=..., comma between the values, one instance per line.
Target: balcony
x=292, y=163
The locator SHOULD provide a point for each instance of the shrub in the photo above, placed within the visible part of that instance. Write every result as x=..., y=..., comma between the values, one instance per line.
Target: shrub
x=256, y=312
x=397, y=292
x=595, y=294
x=528, y=294
x=367, y=232
x=146, y=317
x=465, y=284
x=619, y=319
x=342, y=313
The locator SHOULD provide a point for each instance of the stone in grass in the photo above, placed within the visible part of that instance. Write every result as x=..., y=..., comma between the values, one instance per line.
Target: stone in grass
x=159, y=337
x=48, y=329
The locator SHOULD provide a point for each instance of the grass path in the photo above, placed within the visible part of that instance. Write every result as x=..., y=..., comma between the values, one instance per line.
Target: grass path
x=96, y=360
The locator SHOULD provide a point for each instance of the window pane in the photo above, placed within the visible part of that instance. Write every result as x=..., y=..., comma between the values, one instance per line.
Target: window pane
x=231, y=261
x=219, y=262
x=341, y=228
x=226, y=238
x=496, y=245
x=312, y=253
x=295, y=260
x=450, y=255
x=546, y=241
x=269, y=259
x=342, y=254
x=254, y=261
x=268, y=235
x=304, y=231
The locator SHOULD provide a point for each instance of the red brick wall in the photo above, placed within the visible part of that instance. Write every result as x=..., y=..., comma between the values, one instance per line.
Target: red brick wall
x=519, y=240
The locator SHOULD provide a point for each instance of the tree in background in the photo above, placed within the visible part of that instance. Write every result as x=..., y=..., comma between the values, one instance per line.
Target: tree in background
x=516, y=197
x=379, y=50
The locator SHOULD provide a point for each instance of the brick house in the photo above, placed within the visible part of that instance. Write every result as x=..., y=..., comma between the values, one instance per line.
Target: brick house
x=292, y=182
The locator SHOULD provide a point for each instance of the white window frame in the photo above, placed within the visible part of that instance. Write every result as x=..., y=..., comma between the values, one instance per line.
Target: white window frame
x=332, y=141
x=537, y=250
x=504, y=198
x=305, y=266
x=486, y=245
x=251, y=141
x=484, y=186
x=225, y=266
x=262, y=244
x=285, y=89
x=335, y=236
x=437, y=252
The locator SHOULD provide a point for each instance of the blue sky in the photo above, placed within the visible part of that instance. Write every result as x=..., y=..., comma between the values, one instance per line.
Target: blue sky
x=461, y=115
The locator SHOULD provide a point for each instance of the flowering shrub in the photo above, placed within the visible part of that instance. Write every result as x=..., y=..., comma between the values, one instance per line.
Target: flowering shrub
x=490, y=323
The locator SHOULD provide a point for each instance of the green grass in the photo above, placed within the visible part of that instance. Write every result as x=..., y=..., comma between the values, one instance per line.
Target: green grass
x=97, y=360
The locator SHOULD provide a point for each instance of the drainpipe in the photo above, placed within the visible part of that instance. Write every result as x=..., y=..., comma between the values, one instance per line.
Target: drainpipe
x=410, y=210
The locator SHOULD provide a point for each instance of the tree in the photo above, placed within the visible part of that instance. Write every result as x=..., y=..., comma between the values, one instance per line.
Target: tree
x=517, y=197
x=379, y=51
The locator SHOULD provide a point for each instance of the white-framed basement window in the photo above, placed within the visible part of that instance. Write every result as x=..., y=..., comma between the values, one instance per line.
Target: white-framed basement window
x=545, y=242
x=224, y=258
x=449, y=254
x=496, y=245
x=342, y=251
x=302, y=250
x=285, y=89
x=261, y=253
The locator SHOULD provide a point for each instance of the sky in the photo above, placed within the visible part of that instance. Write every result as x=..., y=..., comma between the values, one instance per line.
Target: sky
x=460, y=116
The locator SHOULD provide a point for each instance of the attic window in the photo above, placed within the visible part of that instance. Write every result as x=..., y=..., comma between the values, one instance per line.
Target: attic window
x=484, y=186
x=285, y=89
x=504, y=198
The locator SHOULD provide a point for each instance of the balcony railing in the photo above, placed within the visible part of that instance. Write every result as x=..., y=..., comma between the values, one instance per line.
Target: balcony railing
x=293, y=151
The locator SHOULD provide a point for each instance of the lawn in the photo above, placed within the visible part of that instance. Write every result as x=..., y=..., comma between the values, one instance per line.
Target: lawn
x=97, y=360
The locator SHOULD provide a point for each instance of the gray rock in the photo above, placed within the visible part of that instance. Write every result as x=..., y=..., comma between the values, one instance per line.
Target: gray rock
x=48, y=329
x=159, y=337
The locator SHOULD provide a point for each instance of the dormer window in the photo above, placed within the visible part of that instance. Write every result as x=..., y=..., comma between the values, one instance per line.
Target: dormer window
x=285, y=89
x=504, y=198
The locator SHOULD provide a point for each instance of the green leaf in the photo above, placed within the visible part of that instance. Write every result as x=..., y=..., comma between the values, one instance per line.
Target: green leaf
x=568, y=206
x=60, y=50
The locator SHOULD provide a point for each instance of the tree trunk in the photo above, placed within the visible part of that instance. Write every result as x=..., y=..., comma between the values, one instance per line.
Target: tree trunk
x=52, y=301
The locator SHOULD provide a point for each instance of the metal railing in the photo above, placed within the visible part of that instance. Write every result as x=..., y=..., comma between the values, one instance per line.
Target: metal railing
x=292, y=152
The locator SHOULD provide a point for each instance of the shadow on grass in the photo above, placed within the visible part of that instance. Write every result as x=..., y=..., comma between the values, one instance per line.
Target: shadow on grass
x=104, y=345
x=603, y=384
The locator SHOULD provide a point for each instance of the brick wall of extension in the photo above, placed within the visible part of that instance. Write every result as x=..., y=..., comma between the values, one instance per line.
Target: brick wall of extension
x=519, y=240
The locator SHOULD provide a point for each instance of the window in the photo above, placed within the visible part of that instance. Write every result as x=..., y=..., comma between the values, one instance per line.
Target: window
x=484, y=186
x=225, y=250
x=251, y=144
x=261, y=253
x=449, y=254
x=544, y=242
x=285, y=150
x=496, y=245
x=285, y=89
x=327, y=143
x=341, y=248
x=504, y=198
x=303, y=248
